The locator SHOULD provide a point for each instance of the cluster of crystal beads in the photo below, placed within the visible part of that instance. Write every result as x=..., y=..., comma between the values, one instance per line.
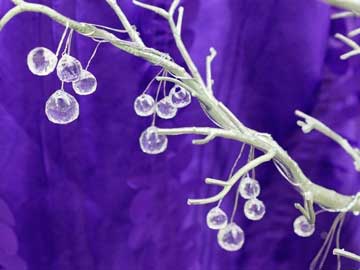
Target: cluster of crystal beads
x=302, y=227
x=216, y=218
x=41, y=61
x=231, y=237
x=249, y=189
x=151, y=142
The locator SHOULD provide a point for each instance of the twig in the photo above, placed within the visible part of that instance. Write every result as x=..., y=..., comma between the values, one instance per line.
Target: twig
x=312, y=123
x=209, y=59
x=346, y=254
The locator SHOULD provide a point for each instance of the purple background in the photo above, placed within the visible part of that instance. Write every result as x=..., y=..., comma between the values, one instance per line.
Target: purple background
x=83, y=196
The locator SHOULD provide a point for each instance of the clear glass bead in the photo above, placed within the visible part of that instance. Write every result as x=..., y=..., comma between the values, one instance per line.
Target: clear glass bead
x=254, y=209
x=216, y=219
x=179, y=97
x=86, y=84
x=302, y=227
x=68, y=68
x=41, y=61
x=151, y=142
x=231, y=238
x=249, y=188
x=144, y=105
x=62, y=108
x=165, y=109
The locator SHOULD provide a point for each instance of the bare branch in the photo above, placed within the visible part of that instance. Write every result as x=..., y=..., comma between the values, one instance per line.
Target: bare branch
x=346, y=254
x=206, y=140
x=343, y=14
x=180, y=20
x=162, y=12
x=125, y=22
x=312, y=123
x=209, y=59
x=351, y=5
x=217, y=182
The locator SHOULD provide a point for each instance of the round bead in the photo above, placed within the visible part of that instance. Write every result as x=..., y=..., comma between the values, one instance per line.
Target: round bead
x=231, y=238
x=62, y=108
x=86, y=84
x=41, y=61
x=151, y=142
x=302, y=227
x=165, y=109
x=68, y=68
x=216, y=219
x=179, y=97
x=144, y=105
x=249, y=188
x=254, y=209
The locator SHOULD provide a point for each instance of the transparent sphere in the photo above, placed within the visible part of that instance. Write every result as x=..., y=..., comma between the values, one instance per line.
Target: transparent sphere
x=165, y=109
x=68, y=68
x=231, y=238
x=41, y=61
x=179, y=97
x=62, y=108
x=151, y=142
x=216, y=219
x=86, y=84
x=302, y=227
x=249, y=188
x=254, y=209
x=144, y=105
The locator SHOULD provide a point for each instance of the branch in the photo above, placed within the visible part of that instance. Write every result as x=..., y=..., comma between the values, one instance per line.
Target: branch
x=312, y=123
x=352, y=44
x=351, y=5
x=125, y=22
x=209, y=59
x=346, y=254
x=343, y=14
x=180, y=20
x=308, y=209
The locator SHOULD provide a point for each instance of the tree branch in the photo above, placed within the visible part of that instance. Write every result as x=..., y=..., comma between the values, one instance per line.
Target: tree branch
x=351, y=5
x=346, y=254
x=312, y=123
x=209, y=59
x=125, y=22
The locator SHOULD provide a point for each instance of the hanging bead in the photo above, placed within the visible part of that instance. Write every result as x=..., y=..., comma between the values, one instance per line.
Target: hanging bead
x=302, y=227
x=86, y=84
x=231, y=238
x=216, y=219
x=165, y=109
x=151, y=142
x=254, y=209
x=249, y=188
x=144, y=105
x=41, y=61
x=179, y=97
x=62, y=108
x=68, y=68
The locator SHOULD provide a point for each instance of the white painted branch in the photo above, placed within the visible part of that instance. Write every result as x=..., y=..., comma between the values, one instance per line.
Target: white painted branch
x=180, y=20
x=312, y=123
x=343, y=14
x=351, y=5
x=125, y=22
x=209, y=59
x=346, y=254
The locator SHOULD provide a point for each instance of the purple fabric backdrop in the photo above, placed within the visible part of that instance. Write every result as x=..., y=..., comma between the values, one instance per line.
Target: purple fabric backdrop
x=83, y=196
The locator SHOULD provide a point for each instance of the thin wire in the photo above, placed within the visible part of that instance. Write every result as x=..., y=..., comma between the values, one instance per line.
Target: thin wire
x=93, y=55
x=62, y=39
x=237, y=196
x=62, y=86
x=68, y=43
x=338, y=235
x=234, y=166
x=153, y=79
x=164, y=85
x=156, y=100
x=109, y=28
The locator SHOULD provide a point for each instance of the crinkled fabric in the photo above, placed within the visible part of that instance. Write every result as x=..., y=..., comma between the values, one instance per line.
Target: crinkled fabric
x=83, y=196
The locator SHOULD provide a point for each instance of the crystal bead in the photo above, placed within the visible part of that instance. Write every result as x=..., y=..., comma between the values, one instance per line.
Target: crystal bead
x=254, y=209
x=179, y=97
x=86, y=84
x=68, y=68
x=231, y=238
x=216, y=219
x=151, y=142
x=165, y=109
x=62, y=108
x=249, y=188
x=144, y=105
x=302, y=227
x=41, y=61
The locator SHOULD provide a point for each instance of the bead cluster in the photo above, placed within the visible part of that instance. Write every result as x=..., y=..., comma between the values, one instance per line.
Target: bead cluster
x=166, y=108
x=61, y=107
